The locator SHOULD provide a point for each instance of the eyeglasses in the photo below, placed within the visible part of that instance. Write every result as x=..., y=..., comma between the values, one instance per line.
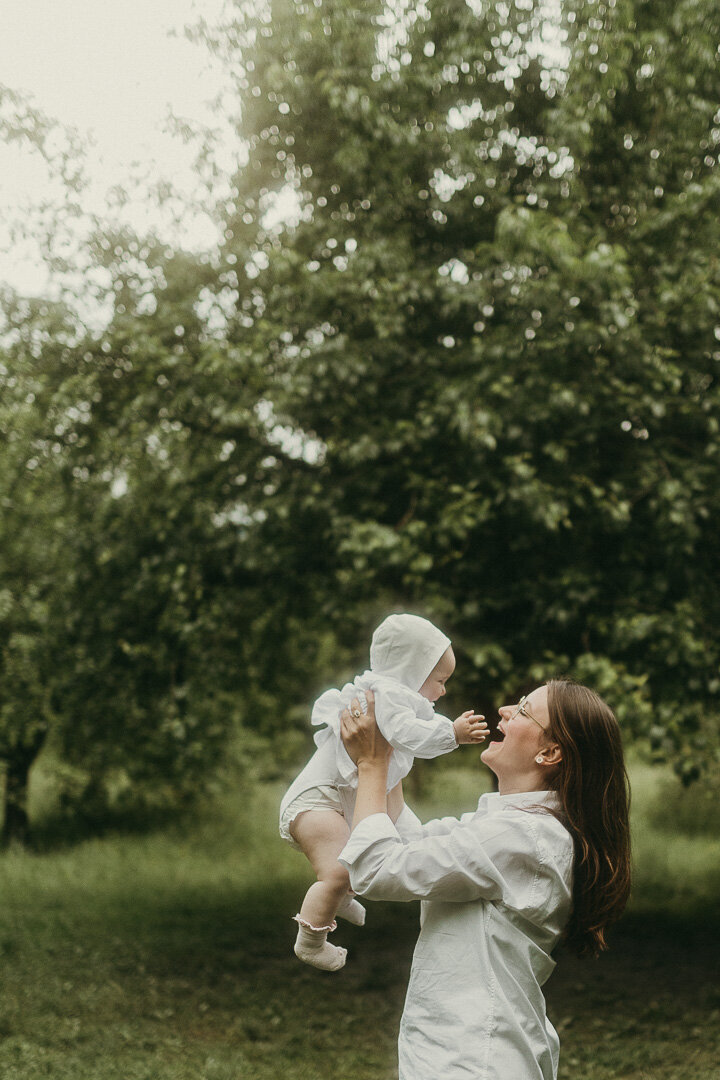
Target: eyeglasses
x=522, y=709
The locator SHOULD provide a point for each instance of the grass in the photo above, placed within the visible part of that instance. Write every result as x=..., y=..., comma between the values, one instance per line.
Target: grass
x=168, y=957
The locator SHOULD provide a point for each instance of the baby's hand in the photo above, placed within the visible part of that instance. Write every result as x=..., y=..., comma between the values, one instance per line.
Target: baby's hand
x=470, y=728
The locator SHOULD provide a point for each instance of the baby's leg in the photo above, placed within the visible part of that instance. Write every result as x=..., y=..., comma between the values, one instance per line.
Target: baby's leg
x=322, y=834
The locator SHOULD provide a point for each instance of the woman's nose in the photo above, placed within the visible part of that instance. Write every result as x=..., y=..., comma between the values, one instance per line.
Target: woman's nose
x=504, y=710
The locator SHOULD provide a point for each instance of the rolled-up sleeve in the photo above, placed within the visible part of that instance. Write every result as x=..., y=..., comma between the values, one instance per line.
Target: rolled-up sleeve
x=488, y=857
x=408, y=825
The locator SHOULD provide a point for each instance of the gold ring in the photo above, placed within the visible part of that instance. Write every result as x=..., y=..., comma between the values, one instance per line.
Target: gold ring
x=356, y=713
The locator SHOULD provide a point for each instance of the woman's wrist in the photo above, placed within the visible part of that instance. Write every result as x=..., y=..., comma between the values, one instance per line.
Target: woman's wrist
x=372, y=765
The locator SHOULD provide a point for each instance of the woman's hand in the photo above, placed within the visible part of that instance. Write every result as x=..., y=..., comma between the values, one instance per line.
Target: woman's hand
x=362, y=737
x=371, y=753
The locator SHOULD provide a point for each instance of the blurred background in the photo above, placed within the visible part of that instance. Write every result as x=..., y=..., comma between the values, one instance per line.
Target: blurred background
x=312, y=312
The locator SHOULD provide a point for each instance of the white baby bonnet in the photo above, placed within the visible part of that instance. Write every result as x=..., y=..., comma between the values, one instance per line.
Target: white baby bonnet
x=403, y=652
x=406, y=648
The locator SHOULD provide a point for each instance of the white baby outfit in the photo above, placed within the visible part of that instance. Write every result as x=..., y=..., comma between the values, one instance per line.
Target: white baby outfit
x=404, y=650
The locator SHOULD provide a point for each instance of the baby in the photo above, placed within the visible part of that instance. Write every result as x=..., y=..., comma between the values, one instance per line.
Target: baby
x=410, y=662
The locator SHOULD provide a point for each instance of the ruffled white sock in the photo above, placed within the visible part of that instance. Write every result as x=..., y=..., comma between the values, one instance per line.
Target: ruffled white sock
x=352, y=910
x=312, y=946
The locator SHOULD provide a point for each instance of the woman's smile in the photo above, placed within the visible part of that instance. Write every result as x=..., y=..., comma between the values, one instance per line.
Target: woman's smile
x=498, y=735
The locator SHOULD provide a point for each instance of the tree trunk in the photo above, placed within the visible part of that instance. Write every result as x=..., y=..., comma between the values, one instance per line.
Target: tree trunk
x=18, y=762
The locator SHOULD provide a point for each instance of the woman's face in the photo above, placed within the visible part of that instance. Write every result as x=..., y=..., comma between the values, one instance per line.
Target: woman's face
x=521, y=736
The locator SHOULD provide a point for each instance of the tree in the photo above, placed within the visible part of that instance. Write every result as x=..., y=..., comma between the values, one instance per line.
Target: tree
x=469, y=370
x=32, y=499
x=473, y=321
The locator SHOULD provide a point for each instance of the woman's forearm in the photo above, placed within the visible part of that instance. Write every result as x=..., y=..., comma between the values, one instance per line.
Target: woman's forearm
x=395, y=802
x=372, y=794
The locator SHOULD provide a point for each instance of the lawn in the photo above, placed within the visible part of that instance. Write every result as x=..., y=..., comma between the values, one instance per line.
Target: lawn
x=168, y=957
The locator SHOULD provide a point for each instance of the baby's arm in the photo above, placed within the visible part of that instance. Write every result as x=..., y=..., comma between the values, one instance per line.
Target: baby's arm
x=410, y=733
x=470, y=728
x=406, y=731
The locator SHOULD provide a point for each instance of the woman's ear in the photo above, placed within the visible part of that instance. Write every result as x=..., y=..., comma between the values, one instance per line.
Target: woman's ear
x=551, y=755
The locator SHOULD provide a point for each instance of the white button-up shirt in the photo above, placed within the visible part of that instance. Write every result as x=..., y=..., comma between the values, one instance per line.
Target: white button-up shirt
x=497, y=889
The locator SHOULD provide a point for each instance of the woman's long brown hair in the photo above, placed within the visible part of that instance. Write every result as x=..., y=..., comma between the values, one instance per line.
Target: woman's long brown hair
x=593, y=787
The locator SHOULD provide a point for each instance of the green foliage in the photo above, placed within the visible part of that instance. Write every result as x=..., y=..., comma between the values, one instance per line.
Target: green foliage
x=699, y=816
x=472, y=371
x=491, y=333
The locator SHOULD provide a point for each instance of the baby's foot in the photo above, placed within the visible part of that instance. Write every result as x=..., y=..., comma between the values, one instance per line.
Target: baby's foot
x=352, y=910
x=312, y=946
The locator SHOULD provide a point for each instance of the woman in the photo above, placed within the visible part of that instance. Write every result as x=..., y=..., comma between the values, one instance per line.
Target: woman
x=545, y=858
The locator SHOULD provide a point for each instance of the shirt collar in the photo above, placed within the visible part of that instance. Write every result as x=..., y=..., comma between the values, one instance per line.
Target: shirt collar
x=493, y=801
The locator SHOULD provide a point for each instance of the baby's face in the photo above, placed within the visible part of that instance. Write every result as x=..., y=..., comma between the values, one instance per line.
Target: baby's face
x=434, y=686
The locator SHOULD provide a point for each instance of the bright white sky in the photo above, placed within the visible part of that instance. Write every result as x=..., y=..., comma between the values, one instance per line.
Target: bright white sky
x=113, y=70
x=110, y=69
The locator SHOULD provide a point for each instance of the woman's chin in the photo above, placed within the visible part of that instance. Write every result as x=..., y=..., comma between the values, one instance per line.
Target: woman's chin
x=490, y=753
